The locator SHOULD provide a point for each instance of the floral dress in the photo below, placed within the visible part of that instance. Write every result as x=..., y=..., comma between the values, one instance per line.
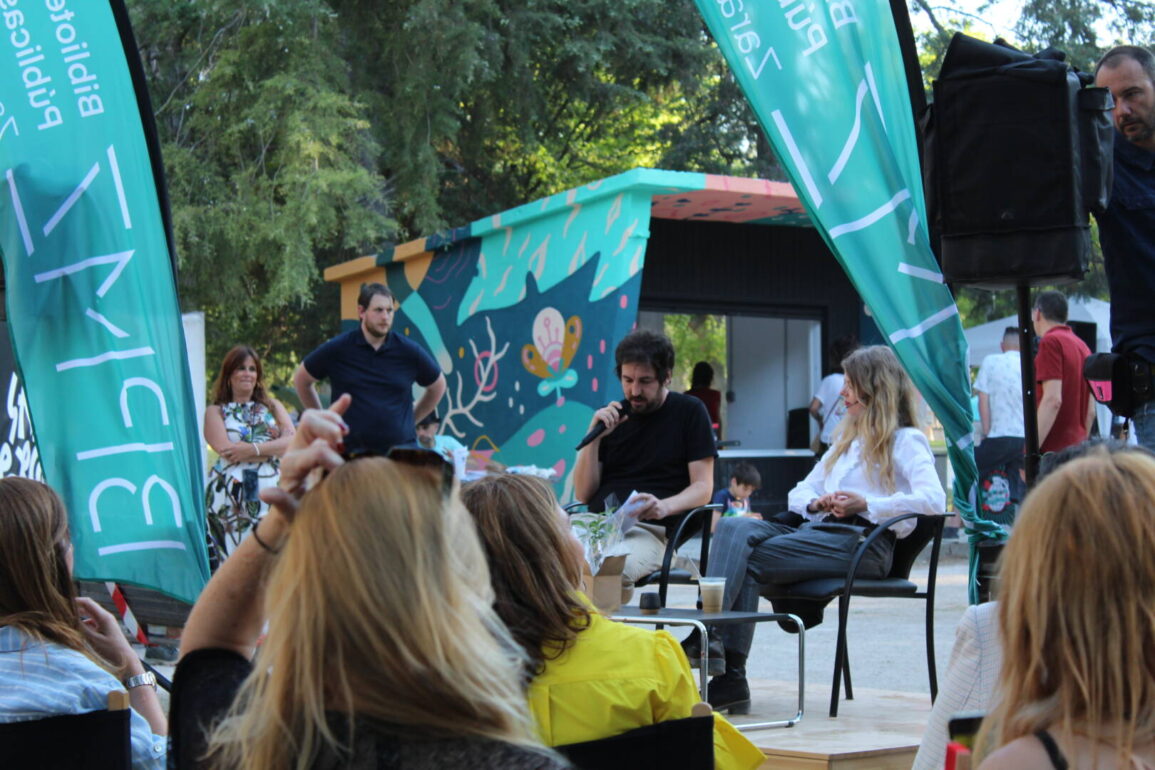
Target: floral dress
x=230, y=512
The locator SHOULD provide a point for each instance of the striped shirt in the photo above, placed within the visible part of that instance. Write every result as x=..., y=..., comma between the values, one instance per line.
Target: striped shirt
x=45, y=679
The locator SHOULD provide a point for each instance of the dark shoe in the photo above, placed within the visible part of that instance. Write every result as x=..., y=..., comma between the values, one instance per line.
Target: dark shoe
x=715, y=653
x=729, y=692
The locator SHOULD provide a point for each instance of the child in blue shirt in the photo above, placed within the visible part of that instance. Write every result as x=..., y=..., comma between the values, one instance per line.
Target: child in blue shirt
x=744, y=482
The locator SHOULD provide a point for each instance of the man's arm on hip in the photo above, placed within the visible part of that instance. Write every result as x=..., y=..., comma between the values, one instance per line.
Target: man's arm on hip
x=429, y=399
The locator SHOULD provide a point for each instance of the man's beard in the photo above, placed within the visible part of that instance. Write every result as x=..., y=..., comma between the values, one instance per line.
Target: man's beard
x=645, y=406
x=1146, y=126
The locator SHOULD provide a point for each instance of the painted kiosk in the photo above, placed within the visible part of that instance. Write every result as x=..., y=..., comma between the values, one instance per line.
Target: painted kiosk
x=523, y=309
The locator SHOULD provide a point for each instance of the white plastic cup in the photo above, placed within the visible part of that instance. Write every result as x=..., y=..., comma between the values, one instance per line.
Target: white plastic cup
x=712, y=589
x=460, y=457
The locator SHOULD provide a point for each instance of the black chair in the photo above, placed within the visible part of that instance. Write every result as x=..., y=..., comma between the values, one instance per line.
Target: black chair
x=697, y=520
x=687, y=744
x=97, y=740
x=896, y=584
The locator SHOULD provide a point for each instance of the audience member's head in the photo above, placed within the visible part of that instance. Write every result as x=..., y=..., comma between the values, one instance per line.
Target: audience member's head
x=702, y=376
x=369, y=291
x=37, y=594
x=239, y=357
x=746, y=475
x=1077, y=605
x=535, y=561
x=1010, y=339
x=1052, y=306
x=1052, y=461
x=379, y=606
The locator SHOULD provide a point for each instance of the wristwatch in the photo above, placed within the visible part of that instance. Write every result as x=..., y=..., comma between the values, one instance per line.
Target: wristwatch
x=140, y=680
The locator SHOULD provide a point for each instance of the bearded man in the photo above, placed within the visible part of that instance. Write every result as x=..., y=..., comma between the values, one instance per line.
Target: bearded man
x=1127, y=228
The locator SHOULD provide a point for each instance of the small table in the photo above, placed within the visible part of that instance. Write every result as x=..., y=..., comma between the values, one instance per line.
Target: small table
x=667, y=616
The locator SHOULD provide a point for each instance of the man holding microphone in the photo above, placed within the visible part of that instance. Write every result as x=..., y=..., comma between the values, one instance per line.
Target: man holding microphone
x=655, y=442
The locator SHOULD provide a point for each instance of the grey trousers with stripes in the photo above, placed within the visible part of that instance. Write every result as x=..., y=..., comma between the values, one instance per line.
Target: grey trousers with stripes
x=751, y=552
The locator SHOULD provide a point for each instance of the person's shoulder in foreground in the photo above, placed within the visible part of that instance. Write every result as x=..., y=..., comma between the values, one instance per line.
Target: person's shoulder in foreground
x=1021, y=754
x=39, y=680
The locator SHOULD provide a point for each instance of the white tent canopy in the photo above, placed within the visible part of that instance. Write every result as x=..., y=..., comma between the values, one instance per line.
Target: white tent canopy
x=984, y=340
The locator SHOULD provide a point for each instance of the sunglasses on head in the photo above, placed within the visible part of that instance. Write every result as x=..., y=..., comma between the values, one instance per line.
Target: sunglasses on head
x=413, y=455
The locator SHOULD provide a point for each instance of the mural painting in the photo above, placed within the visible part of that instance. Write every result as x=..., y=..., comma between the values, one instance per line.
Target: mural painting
x=18, y=453
x=523, y=309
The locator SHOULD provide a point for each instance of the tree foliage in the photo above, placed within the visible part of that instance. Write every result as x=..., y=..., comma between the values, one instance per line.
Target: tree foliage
x=300, y=133
x=270, y=163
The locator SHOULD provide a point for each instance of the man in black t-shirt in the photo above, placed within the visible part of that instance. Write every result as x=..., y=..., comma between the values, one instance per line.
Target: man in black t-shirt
x=662, y=447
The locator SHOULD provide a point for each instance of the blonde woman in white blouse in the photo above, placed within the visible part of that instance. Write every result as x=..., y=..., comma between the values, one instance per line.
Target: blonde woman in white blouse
x=879, y=466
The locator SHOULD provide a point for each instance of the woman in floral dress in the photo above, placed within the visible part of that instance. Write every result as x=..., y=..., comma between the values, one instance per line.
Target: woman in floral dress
x=249, y=430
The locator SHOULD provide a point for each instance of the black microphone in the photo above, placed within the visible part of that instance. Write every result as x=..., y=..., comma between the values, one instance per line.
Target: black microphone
x=600, y=428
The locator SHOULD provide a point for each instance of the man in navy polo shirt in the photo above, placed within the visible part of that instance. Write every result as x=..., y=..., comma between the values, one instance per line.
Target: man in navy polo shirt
x=1127, y=228
x=378, y=369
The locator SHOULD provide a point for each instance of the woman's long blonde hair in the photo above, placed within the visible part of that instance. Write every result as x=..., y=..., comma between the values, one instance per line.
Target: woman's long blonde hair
x=888, y=399
x=379, y=607
x=1077, y=607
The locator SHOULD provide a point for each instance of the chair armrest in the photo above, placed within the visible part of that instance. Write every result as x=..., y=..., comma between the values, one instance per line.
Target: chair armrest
x=706, y=513
x=874, y=535
x=689, y=517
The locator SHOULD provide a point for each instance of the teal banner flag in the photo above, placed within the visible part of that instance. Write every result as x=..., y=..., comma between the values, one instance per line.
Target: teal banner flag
x=826, y=81
x=91, y=298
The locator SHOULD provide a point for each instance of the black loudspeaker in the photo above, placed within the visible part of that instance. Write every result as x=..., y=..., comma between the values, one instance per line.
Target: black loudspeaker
x=798, y=428
x=1017, y=154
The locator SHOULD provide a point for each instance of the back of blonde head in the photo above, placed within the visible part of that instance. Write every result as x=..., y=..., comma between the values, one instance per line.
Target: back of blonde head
x=379, y=607
x=1077, y=606
x=888, y=399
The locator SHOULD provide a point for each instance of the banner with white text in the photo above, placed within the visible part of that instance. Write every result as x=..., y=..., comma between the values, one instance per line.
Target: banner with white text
x=91, y=297
x=826, y=81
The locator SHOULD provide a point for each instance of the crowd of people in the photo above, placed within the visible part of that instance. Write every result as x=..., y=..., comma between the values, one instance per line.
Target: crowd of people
x=368, y=610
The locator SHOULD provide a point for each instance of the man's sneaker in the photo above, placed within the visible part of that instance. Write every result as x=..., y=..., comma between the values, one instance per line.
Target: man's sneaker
x=715, y=653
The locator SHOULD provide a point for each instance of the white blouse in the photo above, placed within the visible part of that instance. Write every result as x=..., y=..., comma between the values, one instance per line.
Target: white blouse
x=917, y=485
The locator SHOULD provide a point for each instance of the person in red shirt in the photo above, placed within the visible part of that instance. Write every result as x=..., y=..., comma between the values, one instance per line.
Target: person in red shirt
x=700, y=381
x=1063, y=398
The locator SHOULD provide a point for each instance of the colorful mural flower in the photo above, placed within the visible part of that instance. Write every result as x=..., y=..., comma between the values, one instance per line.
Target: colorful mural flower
x=549, y=355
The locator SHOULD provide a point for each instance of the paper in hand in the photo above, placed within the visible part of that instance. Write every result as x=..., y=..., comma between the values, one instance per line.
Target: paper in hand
x=626, y=515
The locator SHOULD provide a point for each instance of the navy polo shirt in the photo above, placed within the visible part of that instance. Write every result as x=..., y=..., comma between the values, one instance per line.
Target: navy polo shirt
x=1127, y=234
x=380, y=381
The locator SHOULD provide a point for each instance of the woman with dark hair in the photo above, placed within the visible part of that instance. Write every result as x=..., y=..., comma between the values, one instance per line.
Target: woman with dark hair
x=60, y=654
x=249, y=430
x=701, y=380
x=591, y=677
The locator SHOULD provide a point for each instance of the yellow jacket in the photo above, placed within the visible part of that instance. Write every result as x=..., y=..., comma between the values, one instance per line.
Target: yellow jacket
x=616, y=677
